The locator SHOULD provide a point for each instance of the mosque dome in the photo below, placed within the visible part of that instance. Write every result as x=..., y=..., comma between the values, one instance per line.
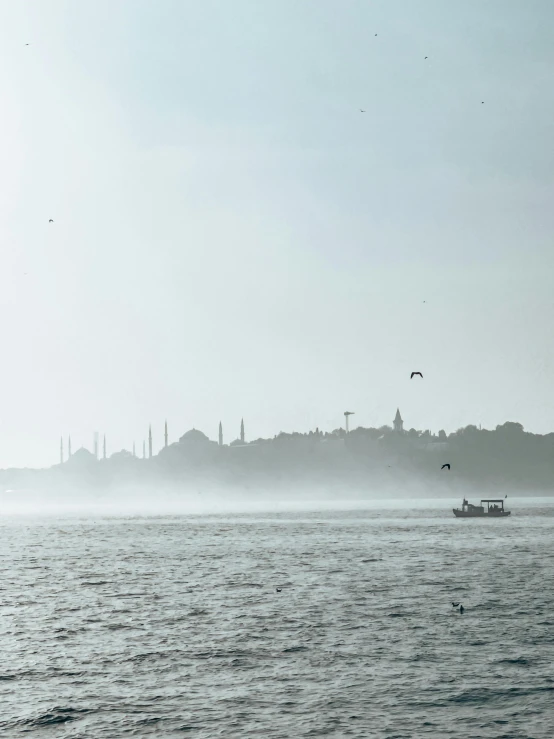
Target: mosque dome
x=194, y=435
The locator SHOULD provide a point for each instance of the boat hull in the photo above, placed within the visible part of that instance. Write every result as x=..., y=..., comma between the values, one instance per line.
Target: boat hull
x=478, y=514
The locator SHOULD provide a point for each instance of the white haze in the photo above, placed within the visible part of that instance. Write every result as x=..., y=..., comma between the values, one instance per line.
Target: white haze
x=209, y=500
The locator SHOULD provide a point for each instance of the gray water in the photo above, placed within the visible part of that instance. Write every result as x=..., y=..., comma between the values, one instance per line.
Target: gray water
x=142, y=626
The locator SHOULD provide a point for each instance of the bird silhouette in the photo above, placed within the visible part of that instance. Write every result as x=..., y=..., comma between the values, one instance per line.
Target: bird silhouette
x=362, y=111
x=51, y=220
x=461, y=609
x=416, y=373
x=455, y=605
x=427, y=57
x=445, y=465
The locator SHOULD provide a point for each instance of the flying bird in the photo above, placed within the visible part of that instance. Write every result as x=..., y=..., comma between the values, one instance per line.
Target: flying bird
x=427, y=57
x=455, y=605
x=362, y=111
x=445, y=465
x=51, y=220
x=278, y=589
x=416, y=373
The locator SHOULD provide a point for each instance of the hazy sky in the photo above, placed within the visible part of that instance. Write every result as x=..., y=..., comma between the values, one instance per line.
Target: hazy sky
x=232, y=237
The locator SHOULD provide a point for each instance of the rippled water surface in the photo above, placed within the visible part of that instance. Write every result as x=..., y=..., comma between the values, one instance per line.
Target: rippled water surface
x=114, y=627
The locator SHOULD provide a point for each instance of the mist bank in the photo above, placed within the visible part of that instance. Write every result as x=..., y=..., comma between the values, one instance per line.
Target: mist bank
x=364, y=464
x=165, y=502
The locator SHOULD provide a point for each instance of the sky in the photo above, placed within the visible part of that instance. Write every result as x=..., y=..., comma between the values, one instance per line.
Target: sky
x=233, y=238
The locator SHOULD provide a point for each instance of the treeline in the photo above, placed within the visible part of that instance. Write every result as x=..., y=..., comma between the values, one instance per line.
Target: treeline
x=366, y=460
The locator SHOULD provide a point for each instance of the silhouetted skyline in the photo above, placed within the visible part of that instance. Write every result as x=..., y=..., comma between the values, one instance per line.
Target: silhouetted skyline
x=365, y=459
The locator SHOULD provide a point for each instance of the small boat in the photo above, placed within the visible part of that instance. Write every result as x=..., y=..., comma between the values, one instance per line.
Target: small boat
x=495, y=509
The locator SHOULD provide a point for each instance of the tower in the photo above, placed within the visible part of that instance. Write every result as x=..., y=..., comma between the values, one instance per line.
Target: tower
x=104, y=448
x=165, y=435
x=220, y=434
x=69, y=447
x=96, y=444
x=242, y=430
x=150, y=442
x=346, y=425
x=134, y=451
x=61, y=450
x=398, y=423
x=144, y=450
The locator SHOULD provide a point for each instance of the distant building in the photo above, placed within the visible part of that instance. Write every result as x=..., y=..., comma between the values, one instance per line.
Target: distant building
x=193, y=436
x=242, y=430
x=196, y=446
x=166, y=438
x=436, y=445
x=82, y=458
x=220, y=434
x=398, y=423
x=150, y=442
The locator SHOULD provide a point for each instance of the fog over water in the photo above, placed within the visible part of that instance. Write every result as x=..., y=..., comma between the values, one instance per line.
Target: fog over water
x=210, y=501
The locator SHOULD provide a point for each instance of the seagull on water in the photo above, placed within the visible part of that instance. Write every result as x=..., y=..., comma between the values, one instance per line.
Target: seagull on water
x=455, y=605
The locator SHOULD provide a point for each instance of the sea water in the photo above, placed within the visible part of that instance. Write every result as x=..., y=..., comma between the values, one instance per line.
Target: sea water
x=116, y=626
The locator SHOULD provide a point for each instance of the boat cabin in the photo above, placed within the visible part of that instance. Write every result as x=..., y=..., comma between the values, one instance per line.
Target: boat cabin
x=494, y=507
x=470, y=508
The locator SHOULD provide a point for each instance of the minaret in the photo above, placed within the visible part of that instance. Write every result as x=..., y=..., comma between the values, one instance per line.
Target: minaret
x=144, y=450
x=398, y=423
x=61, y=450
x=134, y=452
x=150, y=442
x=96, y=444
x=104, y=448
x=242, y=430
x=165, y=435
x=69, y=447
x=220, y=434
